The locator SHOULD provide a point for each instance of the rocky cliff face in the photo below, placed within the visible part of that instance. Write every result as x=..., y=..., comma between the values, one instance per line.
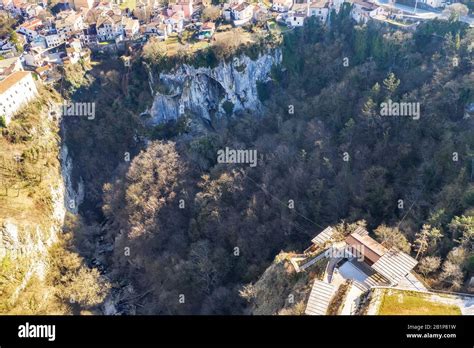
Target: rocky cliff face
x=74, y=194
x=27, y=245
x=210, y=91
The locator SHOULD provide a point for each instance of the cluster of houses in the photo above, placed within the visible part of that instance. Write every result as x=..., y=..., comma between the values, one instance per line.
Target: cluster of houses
x=75, y=25
x=92, y=22
x=50, y=35
x=294, y=14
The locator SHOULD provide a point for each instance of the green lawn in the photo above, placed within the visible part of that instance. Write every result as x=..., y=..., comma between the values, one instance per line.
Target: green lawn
x=413, y=303
x=275, y=27
x=131, y=4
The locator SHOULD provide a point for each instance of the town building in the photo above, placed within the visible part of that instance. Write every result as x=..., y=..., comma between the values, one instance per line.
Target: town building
x=295, y=19
x=241, y=13
x=434, y=3
x=53, y=40
x=9, y=66
x=30, y=28
x=130, y=27
x=88, y=36
x=42, y=71
x=69, y=22
x=174, y=21
x=319, y=9
x=186, y=6
x=79, y=4
x=206, y=31
x=156, y=29
x=16, y=90
x=35, y=57
x=362, y=11
x=109, y=27
x=282, y=5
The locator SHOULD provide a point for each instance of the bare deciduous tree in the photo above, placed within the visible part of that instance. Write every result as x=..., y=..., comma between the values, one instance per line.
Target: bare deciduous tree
x=211, y=13
x=429, y=265
x=392, y=237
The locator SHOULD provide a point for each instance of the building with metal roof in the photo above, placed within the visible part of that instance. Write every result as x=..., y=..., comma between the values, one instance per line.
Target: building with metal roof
x=319, y=298
x=394, y=265
x=324, y=236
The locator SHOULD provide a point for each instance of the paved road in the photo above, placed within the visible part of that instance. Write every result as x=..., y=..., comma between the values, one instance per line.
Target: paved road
x=425, y=14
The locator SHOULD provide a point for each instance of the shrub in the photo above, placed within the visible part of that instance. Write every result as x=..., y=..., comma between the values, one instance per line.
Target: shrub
x=263, y=91
x=228, y=107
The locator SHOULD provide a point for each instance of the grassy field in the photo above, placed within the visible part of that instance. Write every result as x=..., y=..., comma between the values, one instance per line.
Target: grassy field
x=413, y=303
x=276, y=28
x=174, y=44
x=131, y=4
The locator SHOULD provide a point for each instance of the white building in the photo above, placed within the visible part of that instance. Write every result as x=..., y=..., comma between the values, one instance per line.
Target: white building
x=29, y=28
x=241, y=13
x=282, y=5
x=54, y=40
x=74, y=51
x=69, y=23
x=295, y=19
x=130, y=27
x=38, y=42
x=15, y=91
x=34, y=57
x=336, y=5
x=6, y=47
x=434, y=3
x=174, y=21
x=157, y=29
x=109, y=27
x=362, y=11
x=319, y=9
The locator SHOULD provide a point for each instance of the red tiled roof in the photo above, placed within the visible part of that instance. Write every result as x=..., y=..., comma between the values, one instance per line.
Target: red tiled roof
x=32, y=24
x=11, y=80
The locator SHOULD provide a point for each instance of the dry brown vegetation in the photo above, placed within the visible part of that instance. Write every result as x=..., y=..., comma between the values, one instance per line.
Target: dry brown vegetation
x=29, y=161
x=281, y=290
x=29, y=173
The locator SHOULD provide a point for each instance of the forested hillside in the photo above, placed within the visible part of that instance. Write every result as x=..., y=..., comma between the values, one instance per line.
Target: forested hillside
x=189, y=232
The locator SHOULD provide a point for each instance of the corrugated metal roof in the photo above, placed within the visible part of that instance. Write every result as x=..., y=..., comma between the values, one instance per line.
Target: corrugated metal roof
x=319, y=298
x=361, y=231
x=394, y=265
x=324, y=236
